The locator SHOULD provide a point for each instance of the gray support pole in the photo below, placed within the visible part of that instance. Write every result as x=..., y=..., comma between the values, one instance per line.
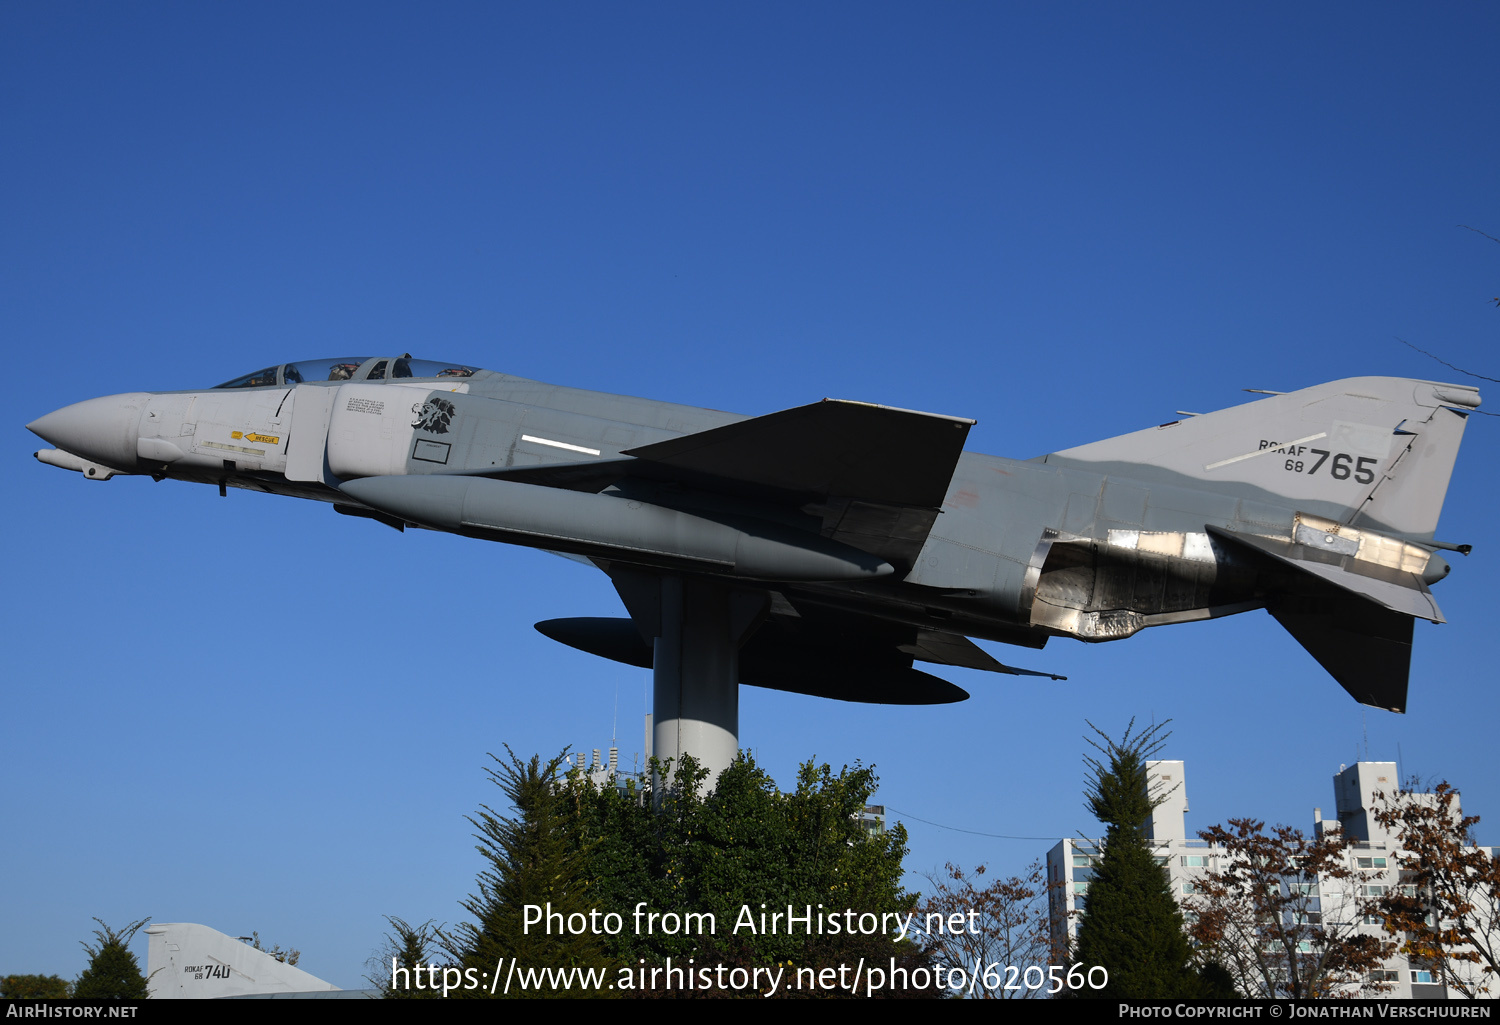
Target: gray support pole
x=695, y=673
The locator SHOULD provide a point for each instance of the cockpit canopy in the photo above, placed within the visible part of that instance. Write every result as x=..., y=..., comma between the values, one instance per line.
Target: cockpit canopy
x=350, y=368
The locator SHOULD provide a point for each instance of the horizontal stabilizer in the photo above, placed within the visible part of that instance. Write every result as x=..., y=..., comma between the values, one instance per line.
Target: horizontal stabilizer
x=1385, y=586
x=1367, y=649
x=831, y=448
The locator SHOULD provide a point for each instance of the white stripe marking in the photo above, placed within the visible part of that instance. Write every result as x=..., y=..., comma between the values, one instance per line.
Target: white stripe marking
x=1263, y=451
x=575, y=448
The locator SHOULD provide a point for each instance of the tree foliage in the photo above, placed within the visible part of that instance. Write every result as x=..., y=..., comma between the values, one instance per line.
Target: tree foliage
x=537, y=857
x=408, y=948
x=677, y=849
x=1264, y=915
x=35, y=987
x=288, y=956
x=1010, y=923
x=113, y=972
x=1447, y=912
x=1131, y=924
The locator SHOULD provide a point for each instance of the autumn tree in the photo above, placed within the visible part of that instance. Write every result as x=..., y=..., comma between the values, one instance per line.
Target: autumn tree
x=1009, y=924
x=35, y=987
x=1282, y=914
x=1131, y=925
x=1447, y=909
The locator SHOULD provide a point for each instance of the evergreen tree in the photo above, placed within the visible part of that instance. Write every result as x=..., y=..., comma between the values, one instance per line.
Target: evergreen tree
x=1131, y=924
x=536, y=857
x=113, y=972
x=682, y=851
x=407, y=950
x=746, y=844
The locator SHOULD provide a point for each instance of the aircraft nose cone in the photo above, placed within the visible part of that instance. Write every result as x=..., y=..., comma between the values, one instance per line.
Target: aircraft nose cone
x=103, y=430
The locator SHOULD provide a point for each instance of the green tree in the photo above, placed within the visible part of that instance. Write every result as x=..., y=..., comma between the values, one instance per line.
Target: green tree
x=113, y=972
x=407, y=949
x=288, y=956
x=679, y=851
x=1131, y=924
x=35, y=987
x=536, y=857
x=744, y=845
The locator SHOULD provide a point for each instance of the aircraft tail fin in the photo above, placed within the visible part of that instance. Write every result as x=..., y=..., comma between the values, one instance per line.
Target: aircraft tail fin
x=1374, y=452
x=196, y=962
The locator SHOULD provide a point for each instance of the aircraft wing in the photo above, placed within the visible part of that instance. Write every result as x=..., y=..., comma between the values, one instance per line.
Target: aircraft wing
x=878, y=454
x=809, y=649
x=876, y=474
x=879, y=473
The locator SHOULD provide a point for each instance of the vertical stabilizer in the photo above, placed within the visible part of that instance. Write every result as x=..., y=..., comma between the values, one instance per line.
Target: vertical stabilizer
x=196, y=962
x=1372, y=452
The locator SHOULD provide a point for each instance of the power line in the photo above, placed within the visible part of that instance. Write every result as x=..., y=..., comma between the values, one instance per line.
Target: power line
x=971, y=832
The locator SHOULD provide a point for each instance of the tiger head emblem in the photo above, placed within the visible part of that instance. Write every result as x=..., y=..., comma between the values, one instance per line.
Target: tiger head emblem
x=434, y=415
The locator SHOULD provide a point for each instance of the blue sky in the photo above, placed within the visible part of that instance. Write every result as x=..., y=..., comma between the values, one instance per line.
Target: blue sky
x=1063, y=220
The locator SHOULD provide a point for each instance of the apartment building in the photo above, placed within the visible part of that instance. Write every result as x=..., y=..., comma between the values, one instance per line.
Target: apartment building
x=1373, y=866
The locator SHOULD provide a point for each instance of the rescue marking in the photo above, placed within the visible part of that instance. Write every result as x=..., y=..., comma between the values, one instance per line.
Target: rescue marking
x=1263, y=450
x=561, y=444
x=232, y=448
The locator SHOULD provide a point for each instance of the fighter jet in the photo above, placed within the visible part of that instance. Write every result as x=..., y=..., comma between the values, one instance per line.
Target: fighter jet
x=824, y=549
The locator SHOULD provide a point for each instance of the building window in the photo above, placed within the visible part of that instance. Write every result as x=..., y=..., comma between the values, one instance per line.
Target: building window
x=1370, y=862
x=1421, y=977
x=1195, y=861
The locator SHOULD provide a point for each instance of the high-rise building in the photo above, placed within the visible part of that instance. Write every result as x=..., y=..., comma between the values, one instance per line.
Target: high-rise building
x=1372, y=860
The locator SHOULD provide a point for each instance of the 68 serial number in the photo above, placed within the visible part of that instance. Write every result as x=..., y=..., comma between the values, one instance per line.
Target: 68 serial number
x=1344, y=465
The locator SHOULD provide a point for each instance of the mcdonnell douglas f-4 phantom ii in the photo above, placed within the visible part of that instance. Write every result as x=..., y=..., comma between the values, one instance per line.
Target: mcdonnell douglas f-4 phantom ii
x=823, y=549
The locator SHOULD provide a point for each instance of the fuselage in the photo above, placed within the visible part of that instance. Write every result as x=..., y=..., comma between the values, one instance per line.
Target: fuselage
x=1021, y=549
